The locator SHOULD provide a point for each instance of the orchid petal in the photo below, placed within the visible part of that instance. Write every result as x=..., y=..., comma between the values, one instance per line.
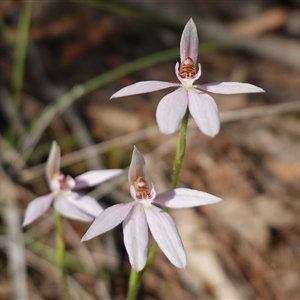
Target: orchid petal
x=64, y=204
x=137, y=166
x=204, y=110
x=189, y=42
x=70, y=182
x=95, y=177
x=166, y=235
x=143, y=87
x=136, y=237
x=87, y=204
x=53, y=163
x=230, y=88
x=36, y=208
x=171, y=110
x=108, y=219
x=181, y=197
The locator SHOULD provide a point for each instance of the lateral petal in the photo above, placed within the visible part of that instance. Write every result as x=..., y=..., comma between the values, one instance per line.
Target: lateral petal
x=166, y=235
x=189, y=42
x=86, y=203
x=108, y=219
x=95, y=177
x=204, y=110
x=36, y=208
x=181, y=197
x=143, y=87
x=66, y=206
x=230, y=88
x=171, y=110
x=136, y=237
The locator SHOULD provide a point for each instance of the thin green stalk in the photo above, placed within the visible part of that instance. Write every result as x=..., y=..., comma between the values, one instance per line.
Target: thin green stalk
x=134, y=282
x=180, y=150
x=135, y=277
x=61, y=254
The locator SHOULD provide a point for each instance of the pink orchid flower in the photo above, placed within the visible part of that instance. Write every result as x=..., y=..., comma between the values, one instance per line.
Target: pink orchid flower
x=68, y=203
x=141, y=213
x=193, y=97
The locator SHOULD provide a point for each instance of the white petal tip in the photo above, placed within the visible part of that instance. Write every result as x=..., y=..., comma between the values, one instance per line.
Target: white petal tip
x=167, y=132
x=210, y=134
x=218, y=200
x=85, y=238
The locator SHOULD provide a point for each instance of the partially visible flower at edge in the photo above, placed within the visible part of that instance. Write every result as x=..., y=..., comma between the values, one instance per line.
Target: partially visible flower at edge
x=201, y=105
x=68, y=203
x=141, y=213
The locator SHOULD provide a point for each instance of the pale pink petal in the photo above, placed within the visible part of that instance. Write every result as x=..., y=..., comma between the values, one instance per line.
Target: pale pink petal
x=166, y=235
x=189, y=42
x=54, y=185
x=143, y=87
x=108, y=219
x=204, y=110
x=137, y=166
x=92, y=178
x=230, y=88
x=53, y=163
x=86, y=204
x=70, y=182
x=64, y=204
x=181, y=197
x=36, y=208
x=136, y=237
x=171, y=110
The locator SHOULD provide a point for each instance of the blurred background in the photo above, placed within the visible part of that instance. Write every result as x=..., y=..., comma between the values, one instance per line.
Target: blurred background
x=60, y=61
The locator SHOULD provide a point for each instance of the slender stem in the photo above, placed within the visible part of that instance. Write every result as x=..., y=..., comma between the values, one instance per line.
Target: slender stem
x=60, y=254
x=134, y=282
x=135, y=277
x=180, y=150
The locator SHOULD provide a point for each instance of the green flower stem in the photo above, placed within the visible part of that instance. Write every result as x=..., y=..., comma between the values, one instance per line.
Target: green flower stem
x=61, y=254
x=135, y=277
x=180, y=150
x=134, y=283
